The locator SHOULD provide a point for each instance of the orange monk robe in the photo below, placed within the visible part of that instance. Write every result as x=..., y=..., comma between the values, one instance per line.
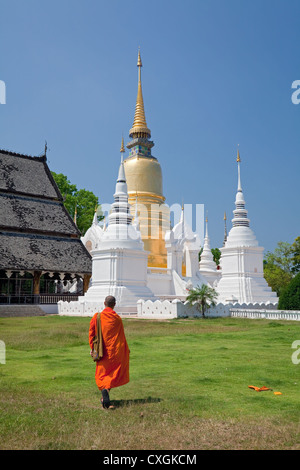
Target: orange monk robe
x=113, y=368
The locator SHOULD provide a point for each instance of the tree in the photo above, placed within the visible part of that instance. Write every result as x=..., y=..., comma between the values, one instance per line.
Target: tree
x=202, y=297
x=217, y=255
x=290, y=297
x=296, y=255
x=278, y=267
x=282, y=256
x=276, y=277
x=82, y=201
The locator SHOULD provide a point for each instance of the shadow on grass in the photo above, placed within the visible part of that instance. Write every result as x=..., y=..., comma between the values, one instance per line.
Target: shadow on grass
x=136, y=401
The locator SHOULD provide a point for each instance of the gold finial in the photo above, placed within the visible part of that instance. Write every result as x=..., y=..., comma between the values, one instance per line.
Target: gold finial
x=122, y=149
x=139, y=127
x=139, y=62
x=238, y=158
x=225, y=216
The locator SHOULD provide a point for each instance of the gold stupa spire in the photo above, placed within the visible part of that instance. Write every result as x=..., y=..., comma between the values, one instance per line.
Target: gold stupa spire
x=139, y=127
x=139, y=62
x=238, y=158
x=122, y=149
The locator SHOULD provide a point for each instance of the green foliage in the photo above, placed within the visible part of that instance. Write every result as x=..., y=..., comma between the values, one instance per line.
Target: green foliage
x=276, y=277
x=203, y=297
x=82, y=201
x=290, y=296
x=217, y=255
x=282, y=256
x=296, y=255
x=280, y=266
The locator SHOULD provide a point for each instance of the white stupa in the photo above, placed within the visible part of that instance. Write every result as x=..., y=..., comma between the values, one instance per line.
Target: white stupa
x=207, y=265
x=241, y=260
x=119, y=261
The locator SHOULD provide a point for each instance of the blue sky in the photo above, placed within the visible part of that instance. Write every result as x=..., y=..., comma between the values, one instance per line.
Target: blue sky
x=215, y=74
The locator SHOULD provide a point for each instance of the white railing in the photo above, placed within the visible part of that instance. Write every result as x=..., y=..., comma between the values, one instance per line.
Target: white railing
x=267, y=314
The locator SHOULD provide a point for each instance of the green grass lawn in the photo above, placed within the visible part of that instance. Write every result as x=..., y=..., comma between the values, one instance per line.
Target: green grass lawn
x=188, y=386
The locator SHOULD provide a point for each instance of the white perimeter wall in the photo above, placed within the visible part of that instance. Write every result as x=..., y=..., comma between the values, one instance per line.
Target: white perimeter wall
x=175, y=309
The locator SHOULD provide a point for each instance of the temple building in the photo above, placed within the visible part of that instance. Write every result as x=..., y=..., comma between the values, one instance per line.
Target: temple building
x=40, y=249
x=120, y=261
x=145, y=187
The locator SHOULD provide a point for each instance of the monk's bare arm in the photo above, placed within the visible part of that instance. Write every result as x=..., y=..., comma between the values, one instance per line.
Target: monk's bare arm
x=92, y=332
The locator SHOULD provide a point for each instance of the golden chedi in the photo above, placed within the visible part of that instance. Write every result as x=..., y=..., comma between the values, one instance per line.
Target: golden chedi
x=144, y=182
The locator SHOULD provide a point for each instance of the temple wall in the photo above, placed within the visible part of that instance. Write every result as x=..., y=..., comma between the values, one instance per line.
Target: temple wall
x=176, y=309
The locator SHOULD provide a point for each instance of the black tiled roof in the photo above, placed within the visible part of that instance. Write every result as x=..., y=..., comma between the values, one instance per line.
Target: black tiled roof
x=26, y=252
x=36, y=231
x=28, y=213
x=27, y=175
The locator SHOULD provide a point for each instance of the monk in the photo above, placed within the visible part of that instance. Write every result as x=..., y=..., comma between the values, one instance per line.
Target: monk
x=112, y=370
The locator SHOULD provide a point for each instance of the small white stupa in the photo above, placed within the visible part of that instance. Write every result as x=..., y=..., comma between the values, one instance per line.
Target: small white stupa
x=241, y=260
x=93, y=235
x=119, y=261
x=207, y=265
x=183, y=246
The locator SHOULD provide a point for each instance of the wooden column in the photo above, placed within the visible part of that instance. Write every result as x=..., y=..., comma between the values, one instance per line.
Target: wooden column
x=86, y=282
x=36, y=285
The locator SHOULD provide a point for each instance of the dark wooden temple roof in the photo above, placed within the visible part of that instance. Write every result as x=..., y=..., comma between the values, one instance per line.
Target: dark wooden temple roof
x=36, y=231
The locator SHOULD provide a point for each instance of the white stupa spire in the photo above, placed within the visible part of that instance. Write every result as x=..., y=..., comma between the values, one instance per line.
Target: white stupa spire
x=240, y=213
x=120, y=209
x=207, y=263
x=225, y=229
x=120, y=231
x=242, y=274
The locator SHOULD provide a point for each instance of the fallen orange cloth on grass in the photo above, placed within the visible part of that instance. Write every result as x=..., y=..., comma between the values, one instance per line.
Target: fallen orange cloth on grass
x=113, y=368
x=259, y=389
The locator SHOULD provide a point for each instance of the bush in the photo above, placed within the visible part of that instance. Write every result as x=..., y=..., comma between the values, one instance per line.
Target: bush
x=290, y=297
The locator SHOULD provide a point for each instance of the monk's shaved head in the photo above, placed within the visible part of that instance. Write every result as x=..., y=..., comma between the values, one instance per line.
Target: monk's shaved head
x=110, y=301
